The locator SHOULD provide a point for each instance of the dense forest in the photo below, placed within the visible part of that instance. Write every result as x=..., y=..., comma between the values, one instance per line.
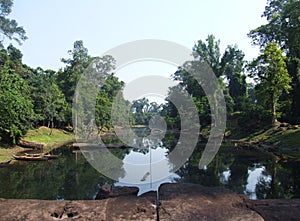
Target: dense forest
x=33, y=97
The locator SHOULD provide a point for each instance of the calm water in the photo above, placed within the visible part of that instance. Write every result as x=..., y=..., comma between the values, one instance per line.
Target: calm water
x=71, y=177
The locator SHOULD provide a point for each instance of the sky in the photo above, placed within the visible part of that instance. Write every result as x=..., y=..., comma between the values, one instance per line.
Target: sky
x=52, y=26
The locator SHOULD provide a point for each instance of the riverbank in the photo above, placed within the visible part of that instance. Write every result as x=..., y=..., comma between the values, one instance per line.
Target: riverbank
x=49, y=138
x=6, y=152
x=42, y=137
x=282, y=139
x=176, y=202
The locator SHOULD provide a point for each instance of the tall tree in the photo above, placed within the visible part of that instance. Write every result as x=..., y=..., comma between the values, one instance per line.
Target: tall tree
x=75, y=66
x=9, y=27
x=270, y=72
x=209, y=52
x=232, y=65
x=283, y=27
x=69, y=77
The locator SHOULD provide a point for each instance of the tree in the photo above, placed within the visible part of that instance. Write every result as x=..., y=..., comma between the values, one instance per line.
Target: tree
x=104, y=101
x=209, y=52
x=283, y=27
x=16, y=105
x=75, y=66
x=232, y=65
x=140, y=109
x=49, y=101
x=9, y=27
x=69, y=77
x=270, y=72
x=11, y=60
x=143, y=110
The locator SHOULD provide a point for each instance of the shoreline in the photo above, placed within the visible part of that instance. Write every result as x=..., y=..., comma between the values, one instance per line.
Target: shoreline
x=7, y=151
x=39, y=138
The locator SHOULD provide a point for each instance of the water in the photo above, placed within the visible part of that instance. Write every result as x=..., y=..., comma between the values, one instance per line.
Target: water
x=70, y=177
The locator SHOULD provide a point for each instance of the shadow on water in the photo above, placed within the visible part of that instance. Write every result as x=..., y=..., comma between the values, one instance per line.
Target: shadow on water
x=253, y=173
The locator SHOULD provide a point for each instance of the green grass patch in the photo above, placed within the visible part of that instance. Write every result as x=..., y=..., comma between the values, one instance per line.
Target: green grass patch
x=45, y=135
x=4, y=155
x=279, y=136
x=53, y=138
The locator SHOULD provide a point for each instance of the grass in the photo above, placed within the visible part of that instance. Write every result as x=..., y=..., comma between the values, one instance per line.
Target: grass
x=53, y=139
x=282, y=137
x=44, y=135
x=4, y=156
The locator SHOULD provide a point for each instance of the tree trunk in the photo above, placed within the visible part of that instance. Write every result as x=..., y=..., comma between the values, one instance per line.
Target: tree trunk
x=274, y=115
x=52, y=125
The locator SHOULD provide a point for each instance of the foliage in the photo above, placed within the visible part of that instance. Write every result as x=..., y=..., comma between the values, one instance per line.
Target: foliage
x=69, y=77
x=228, y=66
x=9, y=27
x=232, y=65
x=104, y=101
x=269, y=70
x=48, y=97
x=49, y=101
x=143, y=110
x=16, y=107
x=283, y=27
x=254, y=118
x=209, y=52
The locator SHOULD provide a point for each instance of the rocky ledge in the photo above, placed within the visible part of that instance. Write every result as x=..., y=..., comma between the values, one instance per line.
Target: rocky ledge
x=177, y=202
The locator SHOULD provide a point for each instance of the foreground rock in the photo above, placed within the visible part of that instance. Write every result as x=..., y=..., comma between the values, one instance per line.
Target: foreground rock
x=277, y=209
x=194, y=202
x=177, y=202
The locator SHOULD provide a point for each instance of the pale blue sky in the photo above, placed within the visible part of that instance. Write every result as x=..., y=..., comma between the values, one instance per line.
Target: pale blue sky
x=53, y=25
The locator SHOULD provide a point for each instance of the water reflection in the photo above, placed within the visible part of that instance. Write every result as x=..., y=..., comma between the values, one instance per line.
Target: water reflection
x=256, y=174
x=147, y=177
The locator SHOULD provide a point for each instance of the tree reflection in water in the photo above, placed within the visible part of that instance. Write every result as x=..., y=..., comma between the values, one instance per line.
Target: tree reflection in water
x=257, y=174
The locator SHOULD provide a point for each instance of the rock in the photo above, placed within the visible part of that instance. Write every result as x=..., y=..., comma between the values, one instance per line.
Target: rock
x=277, y=209
x=195, y=202
x=109, y=191
x=177, y=202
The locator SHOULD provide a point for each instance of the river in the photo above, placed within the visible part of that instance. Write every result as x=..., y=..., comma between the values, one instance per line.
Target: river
x=71, y=177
